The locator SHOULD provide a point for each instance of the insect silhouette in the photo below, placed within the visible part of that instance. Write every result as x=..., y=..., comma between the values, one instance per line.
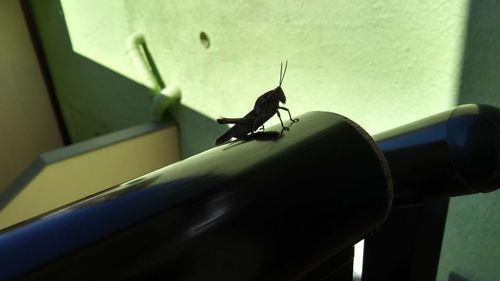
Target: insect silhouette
x=265, y=107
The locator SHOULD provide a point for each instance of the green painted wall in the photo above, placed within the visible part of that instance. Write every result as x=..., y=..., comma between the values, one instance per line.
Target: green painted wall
x=381, y=63
x=471, y=245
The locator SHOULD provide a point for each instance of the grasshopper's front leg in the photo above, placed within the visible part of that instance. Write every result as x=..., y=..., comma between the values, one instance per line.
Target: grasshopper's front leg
x=282, y=126
x=290, y=115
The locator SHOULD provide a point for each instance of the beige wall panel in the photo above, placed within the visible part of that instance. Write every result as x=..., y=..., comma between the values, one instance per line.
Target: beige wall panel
x=98, y=168
x=27, y=123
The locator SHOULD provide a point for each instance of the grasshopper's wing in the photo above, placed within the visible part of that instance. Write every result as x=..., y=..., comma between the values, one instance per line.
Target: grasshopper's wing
x=225, y=137
x=242, y=127
x=248, y=119
x=233, y=121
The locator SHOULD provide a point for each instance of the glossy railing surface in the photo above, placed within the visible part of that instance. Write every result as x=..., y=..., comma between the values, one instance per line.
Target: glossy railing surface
x=276, y=206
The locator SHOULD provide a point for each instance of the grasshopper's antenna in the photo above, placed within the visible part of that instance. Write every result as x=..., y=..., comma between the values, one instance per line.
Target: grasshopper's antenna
x=282, y=73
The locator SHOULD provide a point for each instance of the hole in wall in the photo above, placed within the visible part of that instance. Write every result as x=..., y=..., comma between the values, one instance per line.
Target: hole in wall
x=204, y=40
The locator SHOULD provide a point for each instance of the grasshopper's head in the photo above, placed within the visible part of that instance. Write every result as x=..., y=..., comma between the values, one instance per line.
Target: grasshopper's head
x=280, y=95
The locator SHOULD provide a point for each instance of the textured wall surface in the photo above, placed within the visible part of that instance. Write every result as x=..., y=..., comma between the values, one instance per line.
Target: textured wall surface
x=380, y=63
x=471, y=245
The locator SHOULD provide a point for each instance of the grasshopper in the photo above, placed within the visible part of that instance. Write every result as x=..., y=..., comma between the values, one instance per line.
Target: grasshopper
x=266, y=106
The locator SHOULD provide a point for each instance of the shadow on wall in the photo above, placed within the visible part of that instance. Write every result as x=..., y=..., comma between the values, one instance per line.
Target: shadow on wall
x=95, y=100
x=92, y=99
x=470, y=244
x=480, y=78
